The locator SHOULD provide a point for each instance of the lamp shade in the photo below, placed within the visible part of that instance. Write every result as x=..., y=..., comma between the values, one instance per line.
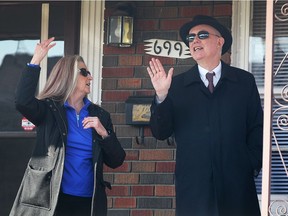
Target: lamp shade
x=120, y=31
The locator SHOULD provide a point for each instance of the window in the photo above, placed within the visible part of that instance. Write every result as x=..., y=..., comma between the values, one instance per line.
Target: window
x=255, y=63
x=18, y=38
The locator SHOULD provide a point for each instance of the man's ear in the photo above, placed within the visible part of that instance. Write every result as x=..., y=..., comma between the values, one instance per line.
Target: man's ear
x=221, y=42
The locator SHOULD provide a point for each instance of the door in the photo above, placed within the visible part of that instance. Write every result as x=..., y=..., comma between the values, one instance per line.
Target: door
x=21, y=26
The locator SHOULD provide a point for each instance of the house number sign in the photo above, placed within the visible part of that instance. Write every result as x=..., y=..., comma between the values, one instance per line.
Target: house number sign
x=167, y=48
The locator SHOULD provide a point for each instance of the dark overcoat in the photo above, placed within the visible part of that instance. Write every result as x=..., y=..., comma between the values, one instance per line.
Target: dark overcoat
x=219, y=142
x=39, y=189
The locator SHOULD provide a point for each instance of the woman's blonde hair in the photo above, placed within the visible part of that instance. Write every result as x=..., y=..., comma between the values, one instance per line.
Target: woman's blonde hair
x=62, y=79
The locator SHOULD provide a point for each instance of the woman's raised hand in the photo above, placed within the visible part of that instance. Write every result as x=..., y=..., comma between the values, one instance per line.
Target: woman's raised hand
x=41, y=50
x=160, y=80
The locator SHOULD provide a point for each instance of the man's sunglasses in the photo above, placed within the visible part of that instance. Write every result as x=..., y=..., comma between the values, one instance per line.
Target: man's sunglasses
x=84, y=72
x=201, y=35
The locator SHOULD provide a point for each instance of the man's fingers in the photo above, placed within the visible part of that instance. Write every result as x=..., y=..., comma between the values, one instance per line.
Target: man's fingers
x=150, y=72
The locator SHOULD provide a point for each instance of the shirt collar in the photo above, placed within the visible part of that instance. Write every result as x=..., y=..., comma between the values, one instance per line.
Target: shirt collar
x=216, y=70
x=86, y=101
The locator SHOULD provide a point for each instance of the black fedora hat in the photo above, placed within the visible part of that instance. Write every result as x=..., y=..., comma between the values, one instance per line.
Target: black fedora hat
x=207, y=20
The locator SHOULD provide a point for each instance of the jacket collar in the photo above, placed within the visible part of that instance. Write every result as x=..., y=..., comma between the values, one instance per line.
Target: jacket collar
x=227, y=73
x=193, y=76
x=60, y=116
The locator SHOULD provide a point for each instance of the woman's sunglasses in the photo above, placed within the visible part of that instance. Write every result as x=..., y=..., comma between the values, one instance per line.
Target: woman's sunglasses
x=201, y=35
x=84, y=72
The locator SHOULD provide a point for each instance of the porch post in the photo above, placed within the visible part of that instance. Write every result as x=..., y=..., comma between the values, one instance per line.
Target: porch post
x=268, y=89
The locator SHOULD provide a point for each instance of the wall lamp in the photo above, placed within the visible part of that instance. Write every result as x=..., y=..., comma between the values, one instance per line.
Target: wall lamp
x=120, y=31
x=120, y=26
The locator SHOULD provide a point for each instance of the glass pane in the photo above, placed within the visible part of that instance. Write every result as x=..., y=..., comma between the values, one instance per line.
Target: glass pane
x=19, y=32
x=257, y=44
x=114, y=34
x=18, y=38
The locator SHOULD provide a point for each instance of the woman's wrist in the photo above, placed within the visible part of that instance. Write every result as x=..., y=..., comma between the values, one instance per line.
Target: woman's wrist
x=33, y=65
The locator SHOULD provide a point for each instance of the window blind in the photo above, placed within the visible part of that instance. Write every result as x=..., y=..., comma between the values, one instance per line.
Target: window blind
x=279, y=157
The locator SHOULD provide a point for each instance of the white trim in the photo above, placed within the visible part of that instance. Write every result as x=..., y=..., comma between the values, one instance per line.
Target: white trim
x=240, y=33
x=91, y=42
x=268, y=86
x=44, y=36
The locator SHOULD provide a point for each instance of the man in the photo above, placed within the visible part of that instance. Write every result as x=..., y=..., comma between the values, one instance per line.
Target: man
x=217, y=125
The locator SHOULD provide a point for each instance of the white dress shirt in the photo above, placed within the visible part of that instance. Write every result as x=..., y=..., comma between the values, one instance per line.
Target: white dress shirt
x=216, y=70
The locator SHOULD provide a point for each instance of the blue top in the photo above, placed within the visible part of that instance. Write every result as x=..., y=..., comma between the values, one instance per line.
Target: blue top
x=78, y=172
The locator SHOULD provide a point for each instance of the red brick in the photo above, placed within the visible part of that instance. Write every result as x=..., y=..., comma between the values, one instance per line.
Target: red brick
x=118, y=191
x=174, y=203
x=132, y=155
x=164, y=190
x=143, y=166
x=118, y=119
x=108, y=50
x=164, y=212
x=109, y=202
x=165, y=166
x=147, y=132
x=164, y=60
x=131, y=178
x=109, y=84
x=124, y=202
x=156, y=154
x=145, y=93
x=222, y=10
x=130, y=60
x=125, y=167
x=141, y=213
x=140, y=48
x=132, y=83
x=193, y=10
x=146, y=24
x=117, y=72
x=170, y=24
x=142, y=190
x=168, y=12
x=115, y=95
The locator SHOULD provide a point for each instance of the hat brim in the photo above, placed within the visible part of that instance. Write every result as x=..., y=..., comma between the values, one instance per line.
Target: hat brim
x=225, y=33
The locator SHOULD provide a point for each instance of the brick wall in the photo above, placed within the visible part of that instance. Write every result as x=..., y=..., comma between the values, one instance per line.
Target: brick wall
x=144, y=184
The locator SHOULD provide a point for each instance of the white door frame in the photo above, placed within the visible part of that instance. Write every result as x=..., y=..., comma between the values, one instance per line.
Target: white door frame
x=91, y=43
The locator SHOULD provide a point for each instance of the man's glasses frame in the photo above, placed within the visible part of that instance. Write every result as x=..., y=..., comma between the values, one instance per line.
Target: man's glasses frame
x=201, y=35
x=84, y=72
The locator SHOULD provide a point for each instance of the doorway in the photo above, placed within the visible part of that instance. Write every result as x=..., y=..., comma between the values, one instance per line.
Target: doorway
x=20, y=30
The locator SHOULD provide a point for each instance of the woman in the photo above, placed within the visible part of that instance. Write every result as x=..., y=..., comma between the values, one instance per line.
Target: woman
x=74, y=138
